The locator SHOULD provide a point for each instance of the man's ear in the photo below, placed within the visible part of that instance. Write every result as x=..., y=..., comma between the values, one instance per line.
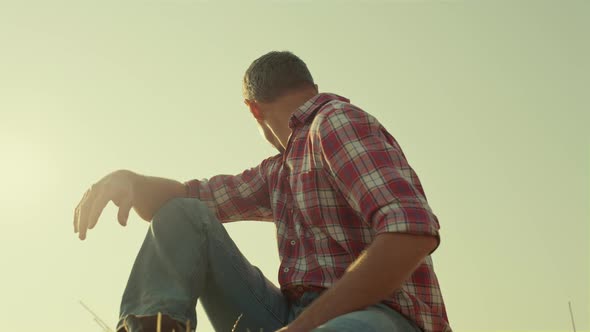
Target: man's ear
x=254, y=109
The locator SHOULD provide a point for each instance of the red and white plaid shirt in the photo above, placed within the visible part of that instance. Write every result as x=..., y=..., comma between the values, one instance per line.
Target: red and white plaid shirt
x=342, y=180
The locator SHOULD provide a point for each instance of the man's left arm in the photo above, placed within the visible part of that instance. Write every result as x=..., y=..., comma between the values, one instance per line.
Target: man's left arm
x=369, y=169
x=375, y=275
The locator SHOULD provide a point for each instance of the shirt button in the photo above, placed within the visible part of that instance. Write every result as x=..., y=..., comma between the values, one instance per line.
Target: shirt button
x=286, y=269
x=293, y=242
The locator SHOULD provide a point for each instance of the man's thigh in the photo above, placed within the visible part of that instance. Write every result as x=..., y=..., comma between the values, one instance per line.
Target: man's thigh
x=235, y=288
x=188, y=255
x=377, y=318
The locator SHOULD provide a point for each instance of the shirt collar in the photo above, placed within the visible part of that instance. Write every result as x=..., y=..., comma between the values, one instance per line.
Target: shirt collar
x=307, y=111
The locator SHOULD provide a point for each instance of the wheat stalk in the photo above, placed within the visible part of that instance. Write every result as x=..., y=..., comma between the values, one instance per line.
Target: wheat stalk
x=236, y=323
x=572, y=315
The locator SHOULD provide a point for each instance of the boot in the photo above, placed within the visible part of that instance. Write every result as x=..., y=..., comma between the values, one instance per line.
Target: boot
x=157, y=323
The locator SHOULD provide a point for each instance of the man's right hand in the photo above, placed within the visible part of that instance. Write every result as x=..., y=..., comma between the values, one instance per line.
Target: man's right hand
x=118, y=187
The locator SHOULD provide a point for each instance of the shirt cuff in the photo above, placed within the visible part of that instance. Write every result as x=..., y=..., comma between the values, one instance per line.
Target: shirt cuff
x=192, y=188
x=410, y=220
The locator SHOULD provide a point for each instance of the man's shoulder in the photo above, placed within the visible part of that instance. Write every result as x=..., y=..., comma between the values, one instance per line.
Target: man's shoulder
x=271, y=164
x=336, y=113
x=272, y=160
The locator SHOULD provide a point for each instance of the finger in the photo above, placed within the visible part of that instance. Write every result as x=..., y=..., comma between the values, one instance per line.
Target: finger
x=83, y=217
x=76, y=219
x=77, y=211
x=123, y=214
x=101, y=200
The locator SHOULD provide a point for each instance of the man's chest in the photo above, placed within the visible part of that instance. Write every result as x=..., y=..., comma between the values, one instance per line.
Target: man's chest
x=303, y=193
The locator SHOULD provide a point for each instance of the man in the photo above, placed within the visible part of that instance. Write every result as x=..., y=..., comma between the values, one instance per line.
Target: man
x=354, y=228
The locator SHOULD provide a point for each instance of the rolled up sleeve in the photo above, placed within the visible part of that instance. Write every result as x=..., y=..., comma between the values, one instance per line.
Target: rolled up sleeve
x=244, y=196
x=370, y=170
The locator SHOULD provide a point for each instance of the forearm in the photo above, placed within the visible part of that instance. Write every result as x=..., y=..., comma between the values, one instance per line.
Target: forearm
x=234, y=197
x=374, y=276
x=152, y=192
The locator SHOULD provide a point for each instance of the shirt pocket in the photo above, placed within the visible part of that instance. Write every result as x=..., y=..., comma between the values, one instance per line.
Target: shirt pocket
x=314, y=198
x=304, y=188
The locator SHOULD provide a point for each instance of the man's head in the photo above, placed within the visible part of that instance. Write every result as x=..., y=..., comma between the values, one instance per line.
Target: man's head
x=274, y=86
x=274, y=75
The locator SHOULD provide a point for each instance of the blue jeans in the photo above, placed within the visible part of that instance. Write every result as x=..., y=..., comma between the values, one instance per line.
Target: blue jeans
x=188, y=255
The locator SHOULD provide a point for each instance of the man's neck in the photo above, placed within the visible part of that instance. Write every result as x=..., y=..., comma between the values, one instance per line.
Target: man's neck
x=283, y=109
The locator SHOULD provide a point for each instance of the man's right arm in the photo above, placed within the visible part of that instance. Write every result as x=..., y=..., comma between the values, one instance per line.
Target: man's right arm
x=245, y=196
x=145, y=194
x=152, y=192
x=232, y=197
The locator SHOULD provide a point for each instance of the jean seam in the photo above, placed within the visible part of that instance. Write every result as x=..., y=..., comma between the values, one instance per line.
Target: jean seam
x=203, y=230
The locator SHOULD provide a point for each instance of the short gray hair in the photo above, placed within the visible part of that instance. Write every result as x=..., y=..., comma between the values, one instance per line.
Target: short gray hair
x=274, y=74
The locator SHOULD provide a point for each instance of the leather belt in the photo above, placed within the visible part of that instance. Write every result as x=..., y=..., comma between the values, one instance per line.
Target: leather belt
x=294, y=292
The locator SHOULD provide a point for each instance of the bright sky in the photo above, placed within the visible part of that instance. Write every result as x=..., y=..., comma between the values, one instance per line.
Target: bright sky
x=489, y=101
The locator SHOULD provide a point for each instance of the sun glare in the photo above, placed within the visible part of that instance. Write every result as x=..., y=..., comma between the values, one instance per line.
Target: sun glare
x=24, y=171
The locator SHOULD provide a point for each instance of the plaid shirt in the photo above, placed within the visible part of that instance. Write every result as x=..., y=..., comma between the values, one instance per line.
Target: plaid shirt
x=342, y=180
